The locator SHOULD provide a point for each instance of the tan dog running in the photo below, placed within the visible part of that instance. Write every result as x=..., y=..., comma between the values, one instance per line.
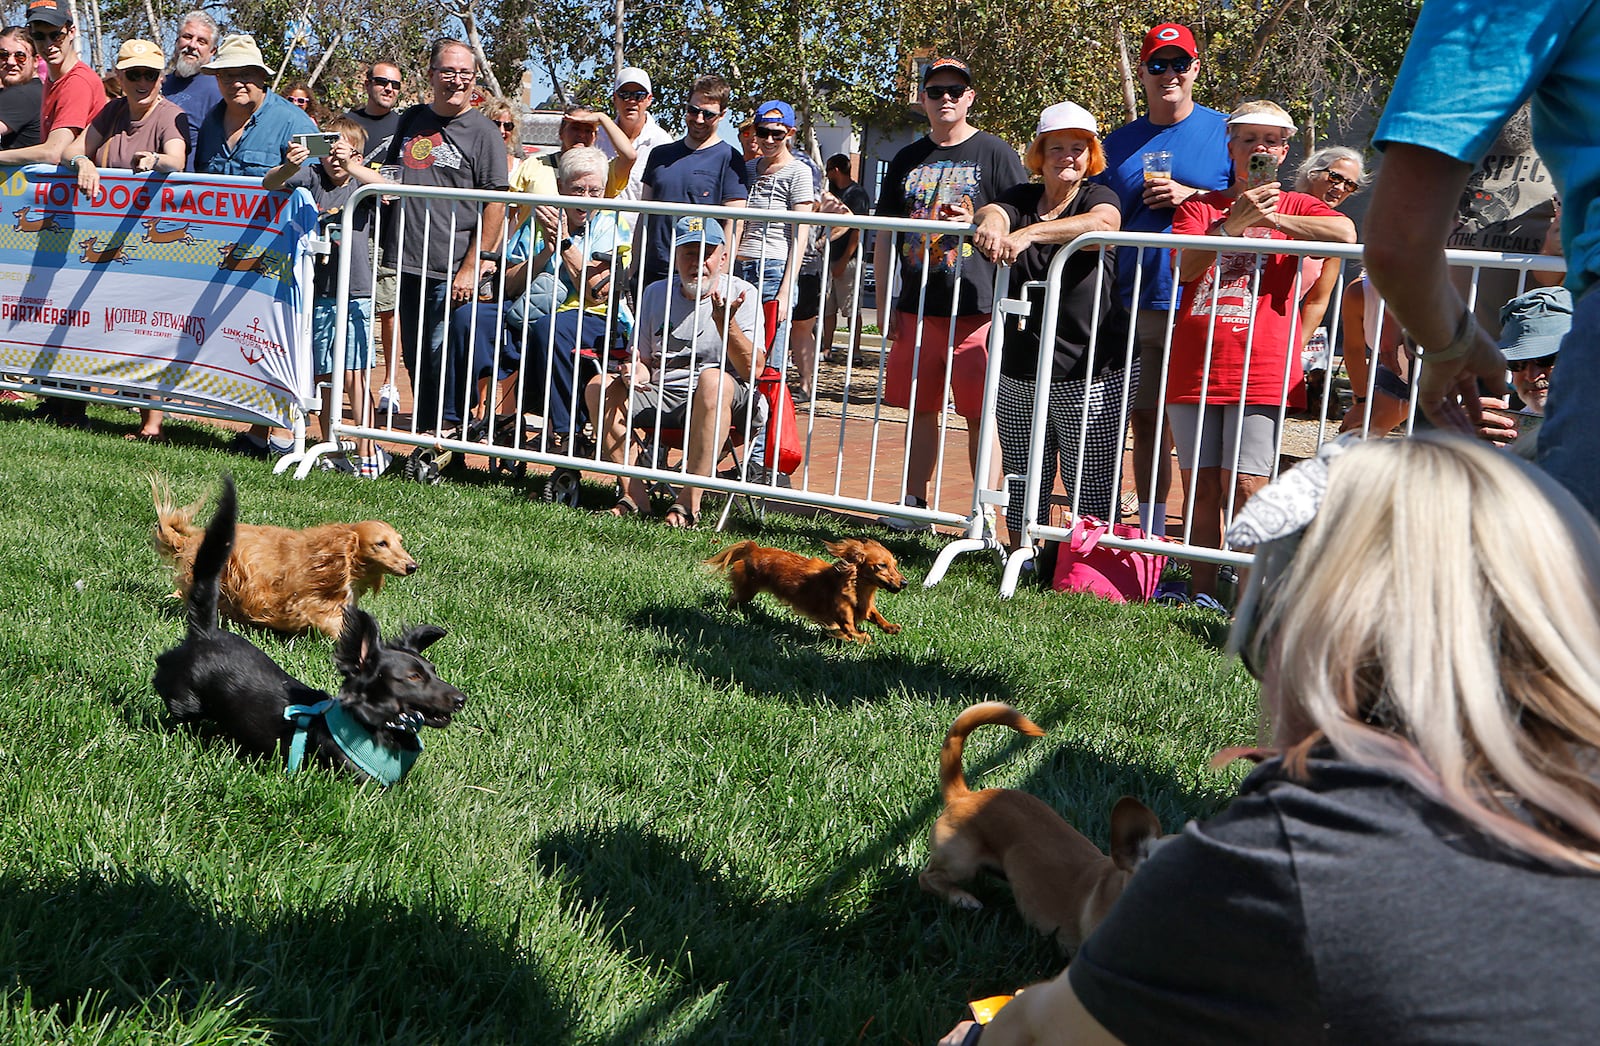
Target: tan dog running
x=838, y=596
x=1062, y=883
x=290, y=580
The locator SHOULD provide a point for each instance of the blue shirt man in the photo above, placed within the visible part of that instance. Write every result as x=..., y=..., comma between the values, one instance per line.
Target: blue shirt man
x=194, y=91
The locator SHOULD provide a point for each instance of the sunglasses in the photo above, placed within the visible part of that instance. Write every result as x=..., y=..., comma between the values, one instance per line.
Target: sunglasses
x=1158, y=66
x=142, y=75
x=1542, y=362
x=954, y=92
x=506, y=125
x=49, y=35
x=384, y=83
x=631, y=96
x=694, y=112
x=15, y=56
x=301, y=102
x=1340, y=181
x=773, y=134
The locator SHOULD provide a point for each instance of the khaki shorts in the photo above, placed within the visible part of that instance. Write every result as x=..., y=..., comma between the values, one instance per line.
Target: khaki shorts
x=1150, y=335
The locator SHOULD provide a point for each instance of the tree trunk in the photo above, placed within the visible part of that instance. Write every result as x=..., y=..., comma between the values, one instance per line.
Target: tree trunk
x=469, y=22
x=322, y=63
x=1130, y=97
x=549, y=63
x=157, y=37
x=619, y=14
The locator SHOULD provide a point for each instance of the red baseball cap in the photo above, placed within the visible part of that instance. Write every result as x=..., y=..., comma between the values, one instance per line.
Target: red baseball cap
x=1168, y=34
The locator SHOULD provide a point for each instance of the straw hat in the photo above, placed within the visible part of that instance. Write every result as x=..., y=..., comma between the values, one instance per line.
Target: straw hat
x=237, y=51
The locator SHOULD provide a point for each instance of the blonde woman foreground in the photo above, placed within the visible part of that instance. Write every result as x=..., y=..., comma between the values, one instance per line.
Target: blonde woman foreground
x=1418, y=857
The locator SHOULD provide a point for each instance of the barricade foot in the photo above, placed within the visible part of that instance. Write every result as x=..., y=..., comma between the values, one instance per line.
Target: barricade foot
x=1013, y=571
x=948, y=554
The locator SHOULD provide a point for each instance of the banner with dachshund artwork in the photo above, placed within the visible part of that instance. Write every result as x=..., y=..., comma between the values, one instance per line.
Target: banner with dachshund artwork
x=184, y=288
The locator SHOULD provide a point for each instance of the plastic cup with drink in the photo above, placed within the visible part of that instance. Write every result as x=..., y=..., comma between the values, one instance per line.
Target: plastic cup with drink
x=1157, y=165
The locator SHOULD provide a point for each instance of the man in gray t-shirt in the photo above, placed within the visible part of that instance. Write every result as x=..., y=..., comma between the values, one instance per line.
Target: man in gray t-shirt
x=698, y=339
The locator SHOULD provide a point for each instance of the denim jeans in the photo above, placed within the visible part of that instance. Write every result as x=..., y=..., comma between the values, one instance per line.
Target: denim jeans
x=422, y=314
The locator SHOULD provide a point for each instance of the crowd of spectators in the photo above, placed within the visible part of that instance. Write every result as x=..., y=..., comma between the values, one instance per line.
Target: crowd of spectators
x=489, y=314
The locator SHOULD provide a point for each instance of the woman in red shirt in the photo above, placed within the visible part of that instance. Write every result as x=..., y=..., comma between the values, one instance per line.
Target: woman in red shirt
x=1226, y=405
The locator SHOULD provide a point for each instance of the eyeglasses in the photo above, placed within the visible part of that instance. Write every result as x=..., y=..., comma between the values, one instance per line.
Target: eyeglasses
x=506, y=125
x=1158, y=66
x=145, y=75
x=15, y=56
x=774, y=134
x=383, y=83
x=459, y=76
x=593, y=194
x=1340, y=181
x=301, y=102
x=694, y=112
x=631, y=96
x=1542, y=362
x=49, y=36
x=954, y=92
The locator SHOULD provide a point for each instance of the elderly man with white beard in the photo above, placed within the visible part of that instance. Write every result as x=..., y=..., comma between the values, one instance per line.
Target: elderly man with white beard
x=698, y=339
x=195, y=92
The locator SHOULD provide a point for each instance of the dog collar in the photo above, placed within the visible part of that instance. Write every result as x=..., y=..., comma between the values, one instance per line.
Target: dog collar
x=383, y=763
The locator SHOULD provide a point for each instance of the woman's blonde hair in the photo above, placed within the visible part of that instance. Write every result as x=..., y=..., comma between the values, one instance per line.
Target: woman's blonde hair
x=1439, y=619
x=1033, y=159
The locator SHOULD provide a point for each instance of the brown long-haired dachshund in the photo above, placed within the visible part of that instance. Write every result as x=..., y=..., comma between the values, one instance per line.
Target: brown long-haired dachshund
x=839, y=596
x=289, y=580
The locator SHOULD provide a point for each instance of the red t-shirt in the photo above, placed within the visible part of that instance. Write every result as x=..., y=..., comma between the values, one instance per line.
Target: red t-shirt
x=71, y=101
x=1275, y=337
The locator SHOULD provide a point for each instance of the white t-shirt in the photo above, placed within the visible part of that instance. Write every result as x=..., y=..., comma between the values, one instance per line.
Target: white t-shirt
x=652, y=135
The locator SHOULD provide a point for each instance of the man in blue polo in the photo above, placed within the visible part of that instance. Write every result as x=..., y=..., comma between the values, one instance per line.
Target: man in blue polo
x=1197, y=139
x=194, y=91
x=1435, y=130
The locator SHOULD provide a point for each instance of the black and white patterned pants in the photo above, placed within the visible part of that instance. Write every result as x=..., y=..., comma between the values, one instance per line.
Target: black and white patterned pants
x=1099, y=446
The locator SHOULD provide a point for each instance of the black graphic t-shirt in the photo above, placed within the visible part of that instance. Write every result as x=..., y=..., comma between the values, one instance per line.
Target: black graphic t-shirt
x=454, y=152
x=922, y=177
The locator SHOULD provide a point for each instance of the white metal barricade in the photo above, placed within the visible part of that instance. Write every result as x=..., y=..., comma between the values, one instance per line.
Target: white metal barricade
x=834, y=438
x=1470, y=263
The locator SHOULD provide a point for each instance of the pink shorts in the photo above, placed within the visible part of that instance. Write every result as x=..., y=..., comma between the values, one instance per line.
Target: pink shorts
x=968, y=362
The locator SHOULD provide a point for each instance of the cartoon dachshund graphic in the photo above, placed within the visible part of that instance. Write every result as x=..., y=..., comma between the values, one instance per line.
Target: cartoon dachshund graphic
x=91, y=253
x=43, y=223
x=176, y=234
x=233, y=260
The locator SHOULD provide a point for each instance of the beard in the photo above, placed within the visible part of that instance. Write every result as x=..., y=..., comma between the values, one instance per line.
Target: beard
x=185, y=66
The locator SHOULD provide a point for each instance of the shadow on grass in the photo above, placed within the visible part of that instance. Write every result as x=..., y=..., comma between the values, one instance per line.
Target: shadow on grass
x=773, y=654
x=361, y=971
x=748, y=966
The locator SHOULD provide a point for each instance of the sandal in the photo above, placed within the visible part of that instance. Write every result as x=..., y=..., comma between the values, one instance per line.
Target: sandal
x=624, y=508
x=679, y=517
x=145, y=437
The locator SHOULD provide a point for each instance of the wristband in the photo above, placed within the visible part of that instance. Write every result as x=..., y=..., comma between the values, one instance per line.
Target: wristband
x=73, y=161
x=1465, y=337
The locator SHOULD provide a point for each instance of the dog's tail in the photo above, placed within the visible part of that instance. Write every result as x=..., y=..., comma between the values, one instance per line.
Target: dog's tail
x=210, y=560
x=731, y=555
x=952, y=782
x=174, y=526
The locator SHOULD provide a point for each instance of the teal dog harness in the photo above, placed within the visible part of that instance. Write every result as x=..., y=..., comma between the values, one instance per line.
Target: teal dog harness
x=383, y=763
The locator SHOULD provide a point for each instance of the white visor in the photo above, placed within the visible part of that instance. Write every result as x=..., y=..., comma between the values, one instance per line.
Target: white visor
x=1263, y=120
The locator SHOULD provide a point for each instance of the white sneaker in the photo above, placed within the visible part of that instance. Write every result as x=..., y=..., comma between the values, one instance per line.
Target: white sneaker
x=278, y=448
x=906, y=525
x=388, y=399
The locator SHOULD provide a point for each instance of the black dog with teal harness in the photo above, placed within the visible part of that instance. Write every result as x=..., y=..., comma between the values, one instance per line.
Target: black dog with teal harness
x=224, y=682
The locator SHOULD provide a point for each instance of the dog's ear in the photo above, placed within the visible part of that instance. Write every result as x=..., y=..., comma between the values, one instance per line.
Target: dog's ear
x=845, y=567
x=1134, y=828
x=418, y=637
x=849, y=550
x=359, y=642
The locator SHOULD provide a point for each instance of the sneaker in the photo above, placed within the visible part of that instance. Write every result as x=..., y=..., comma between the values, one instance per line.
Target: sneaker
x=388, y=399
x=906, y=525
x=338, y=463
x=277, y=448
x=376, y=465
x=246, y=444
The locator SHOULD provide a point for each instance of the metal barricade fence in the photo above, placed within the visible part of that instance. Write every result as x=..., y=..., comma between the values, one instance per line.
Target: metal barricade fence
x=509, y=357
x=1246, y=252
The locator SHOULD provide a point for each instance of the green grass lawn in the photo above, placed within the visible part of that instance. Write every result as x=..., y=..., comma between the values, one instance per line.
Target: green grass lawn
x=655, y=821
